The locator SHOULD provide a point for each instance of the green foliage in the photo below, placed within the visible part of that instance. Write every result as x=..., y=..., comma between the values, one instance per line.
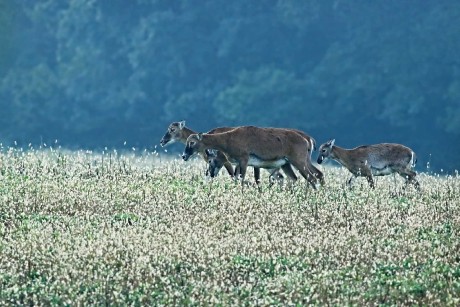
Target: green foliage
x=255, y=93
x=81, y=228
x=94, y=74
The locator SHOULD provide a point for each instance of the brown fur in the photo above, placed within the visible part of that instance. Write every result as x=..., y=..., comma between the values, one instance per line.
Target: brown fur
x=269, y=145
x=214, y=165
x=373, y=160
x=178, y=132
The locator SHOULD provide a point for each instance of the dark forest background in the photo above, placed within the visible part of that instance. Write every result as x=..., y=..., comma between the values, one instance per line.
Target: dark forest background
x=92, y=74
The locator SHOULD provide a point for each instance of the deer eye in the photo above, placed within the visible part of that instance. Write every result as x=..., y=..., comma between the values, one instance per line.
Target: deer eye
x=324, y=150
x=192, y=143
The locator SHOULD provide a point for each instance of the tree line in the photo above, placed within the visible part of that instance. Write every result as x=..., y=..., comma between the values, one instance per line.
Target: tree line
x=95, y=73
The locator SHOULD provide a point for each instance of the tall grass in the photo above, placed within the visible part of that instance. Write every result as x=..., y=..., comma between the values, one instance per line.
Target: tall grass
x=82, y=228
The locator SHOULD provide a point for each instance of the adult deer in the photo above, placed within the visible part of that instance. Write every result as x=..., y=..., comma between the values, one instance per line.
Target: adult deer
x=373, y=160
x=215, y=164
x=178, y=132
x=258, y=147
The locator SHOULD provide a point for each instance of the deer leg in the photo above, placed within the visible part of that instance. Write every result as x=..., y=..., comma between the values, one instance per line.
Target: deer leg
x=271, y=178
x=351, y=180
x=304, y=171
x=257, y=175
x=275, y=175
x=243, y=165
x=415, y=183
x=237, y=172
x=409, y=175
x=371, y=181
x=318, y=174
x=228, y=166
x=366, y=172
x=287, y=168
x=257, y=178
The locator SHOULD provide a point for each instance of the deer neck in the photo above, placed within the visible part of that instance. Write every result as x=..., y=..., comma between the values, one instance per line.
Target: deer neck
x=340, y=155
x=186, y=132
x=215, y=141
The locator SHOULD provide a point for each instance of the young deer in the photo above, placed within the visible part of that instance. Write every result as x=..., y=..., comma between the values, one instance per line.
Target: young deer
x=215, y=164
x=258, y=147
x=373, y=160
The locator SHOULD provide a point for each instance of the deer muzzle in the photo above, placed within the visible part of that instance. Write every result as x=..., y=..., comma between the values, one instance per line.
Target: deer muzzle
x=185, y=156
x=320, y=159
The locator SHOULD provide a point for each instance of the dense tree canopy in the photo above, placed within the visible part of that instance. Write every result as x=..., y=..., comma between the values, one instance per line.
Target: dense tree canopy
x=97, y=73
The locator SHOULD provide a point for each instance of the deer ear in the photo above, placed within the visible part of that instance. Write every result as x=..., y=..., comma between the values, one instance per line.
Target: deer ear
x=199, y=136
x=181, y=124
x=332, y=142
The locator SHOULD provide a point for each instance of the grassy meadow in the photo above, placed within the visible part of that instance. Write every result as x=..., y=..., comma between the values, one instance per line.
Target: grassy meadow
x=85, y=228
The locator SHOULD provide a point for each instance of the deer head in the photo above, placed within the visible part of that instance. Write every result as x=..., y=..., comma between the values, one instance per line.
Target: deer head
x=325, y=150
x=192, y=146
x=173, y=134
x=214, y=163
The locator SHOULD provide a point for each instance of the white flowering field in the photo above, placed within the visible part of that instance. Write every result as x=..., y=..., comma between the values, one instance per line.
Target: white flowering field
x=80, y=228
